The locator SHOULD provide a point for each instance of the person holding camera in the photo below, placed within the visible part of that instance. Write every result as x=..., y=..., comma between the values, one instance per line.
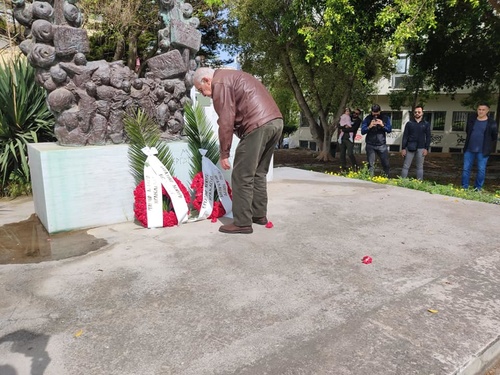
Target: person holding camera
x=376, y=126
x=416, y=143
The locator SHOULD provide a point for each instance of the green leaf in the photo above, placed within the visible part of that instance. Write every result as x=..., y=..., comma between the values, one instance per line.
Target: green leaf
x=24, y=118
x=144, y=132
x=200, y=135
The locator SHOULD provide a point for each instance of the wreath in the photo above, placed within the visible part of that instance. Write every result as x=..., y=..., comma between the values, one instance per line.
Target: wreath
x=140, y=204
x=218, y=209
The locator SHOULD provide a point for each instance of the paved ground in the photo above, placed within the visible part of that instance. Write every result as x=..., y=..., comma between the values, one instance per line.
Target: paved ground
x=293, y=299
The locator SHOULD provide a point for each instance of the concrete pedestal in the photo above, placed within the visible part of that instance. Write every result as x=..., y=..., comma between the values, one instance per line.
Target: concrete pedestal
x=91, y=186
x=80, y=187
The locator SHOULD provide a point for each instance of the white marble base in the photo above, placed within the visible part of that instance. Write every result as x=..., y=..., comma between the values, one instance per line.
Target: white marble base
x=80, y=187
x=91, y=186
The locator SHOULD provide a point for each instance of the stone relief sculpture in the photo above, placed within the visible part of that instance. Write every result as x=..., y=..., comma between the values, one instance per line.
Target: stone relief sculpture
x=90, y=98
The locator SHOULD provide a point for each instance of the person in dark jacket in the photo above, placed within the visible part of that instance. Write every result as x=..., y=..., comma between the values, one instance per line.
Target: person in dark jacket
x=347, y=140
x=376, y=127
x=416, y=143
x=247, y=109
x=482, y=135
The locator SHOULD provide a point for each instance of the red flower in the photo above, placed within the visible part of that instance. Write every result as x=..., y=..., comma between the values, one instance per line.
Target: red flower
x=218, y=208
x=140, y=205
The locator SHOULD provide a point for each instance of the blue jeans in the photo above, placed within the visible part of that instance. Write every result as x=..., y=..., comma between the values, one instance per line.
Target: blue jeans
x=469, y=158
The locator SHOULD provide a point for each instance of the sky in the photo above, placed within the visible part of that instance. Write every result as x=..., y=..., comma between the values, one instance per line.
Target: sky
x=225, y=56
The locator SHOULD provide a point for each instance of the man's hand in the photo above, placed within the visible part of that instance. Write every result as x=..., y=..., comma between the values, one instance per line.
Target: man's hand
x=403, y=152
x=224, y=163
x=424, y=152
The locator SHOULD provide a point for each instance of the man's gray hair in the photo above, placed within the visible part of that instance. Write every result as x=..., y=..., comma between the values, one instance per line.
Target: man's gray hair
x=200, y=73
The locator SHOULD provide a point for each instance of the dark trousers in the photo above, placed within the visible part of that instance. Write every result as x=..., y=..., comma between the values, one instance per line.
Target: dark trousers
x=382, y=152
x=249, y=177
x=347, y=147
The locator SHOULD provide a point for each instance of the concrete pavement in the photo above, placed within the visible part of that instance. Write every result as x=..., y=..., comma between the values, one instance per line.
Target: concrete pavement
x=293, y=299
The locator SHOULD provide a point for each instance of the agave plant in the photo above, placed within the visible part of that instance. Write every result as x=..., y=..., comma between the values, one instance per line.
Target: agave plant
x=200, y=135
x=144, y=132
x=24, y=118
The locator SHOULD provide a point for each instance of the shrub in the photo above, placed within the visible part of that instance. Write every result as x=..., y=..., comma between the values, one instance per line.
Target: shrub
x=24, y=118
x=427, y=186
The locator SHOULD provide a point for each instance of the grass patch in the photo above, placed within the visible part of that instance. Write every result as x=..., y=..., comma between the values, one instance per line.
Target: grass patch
x=427, y=186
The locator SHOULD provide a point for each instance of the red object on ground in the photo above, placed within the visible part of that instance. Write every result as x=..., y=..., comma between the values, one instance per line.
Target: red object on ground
x=367, y=259
x=269, y=224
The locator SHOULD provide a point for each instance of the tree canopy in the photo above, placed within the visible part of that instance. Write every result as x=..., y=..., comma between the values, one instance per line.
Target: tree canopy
x=123, y=30
x=462, y=50
x=330, y=52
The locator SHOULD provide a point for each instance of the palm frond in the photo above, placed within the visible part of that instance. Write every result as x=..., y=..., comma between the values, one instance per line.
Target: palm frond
x=144, y=132
x=200, y=135
x=24, y=118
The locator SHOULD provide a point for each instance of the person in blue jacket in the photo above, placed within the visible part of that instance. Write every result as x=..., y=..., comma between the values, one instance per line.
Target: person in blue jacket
x=376, y=126
x=482, y=135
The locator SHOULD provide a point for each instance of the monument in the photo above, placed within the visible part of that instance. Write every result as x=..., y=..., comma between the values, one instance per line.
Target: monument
x=90, y=183
x=89, y=98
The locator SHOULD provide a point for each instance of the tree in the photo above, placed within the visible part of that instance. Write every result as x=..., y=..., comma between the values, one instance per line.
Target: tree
x=325, y=60
x=128, y=28
x=214, y=26
x=288, y=108
x=496, y=5
x=462, y=51
x=118, y=26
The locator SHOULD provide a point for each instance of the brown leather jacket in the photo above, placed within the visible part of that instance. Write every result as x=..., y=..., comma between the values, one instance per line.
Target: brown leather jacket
x=242, y=103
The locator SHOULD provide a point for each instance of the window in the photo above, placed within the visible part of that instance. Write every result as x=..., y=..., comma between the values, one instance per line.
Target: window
x=398, y=82
x=459, y=121
x=303, y=144
x=454, y=149
x=436, y=149
x=436, y=119
x=402, y=64
x=396, y=118
x=394, y=148
x=402, y=68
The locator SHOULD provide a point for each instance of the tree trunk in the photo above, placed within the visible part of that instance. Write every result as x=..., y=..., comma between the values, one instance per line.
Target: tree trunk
x=496, y=5
x=299, y=96
x=132, y=50
x=119, y=50
x=330, y=129
x=498, y=107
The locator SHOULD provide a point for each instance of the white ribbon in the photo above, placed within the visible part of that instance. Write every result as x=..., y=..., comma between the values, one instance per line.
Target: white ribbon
x=156, y=176
x=213, y=177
